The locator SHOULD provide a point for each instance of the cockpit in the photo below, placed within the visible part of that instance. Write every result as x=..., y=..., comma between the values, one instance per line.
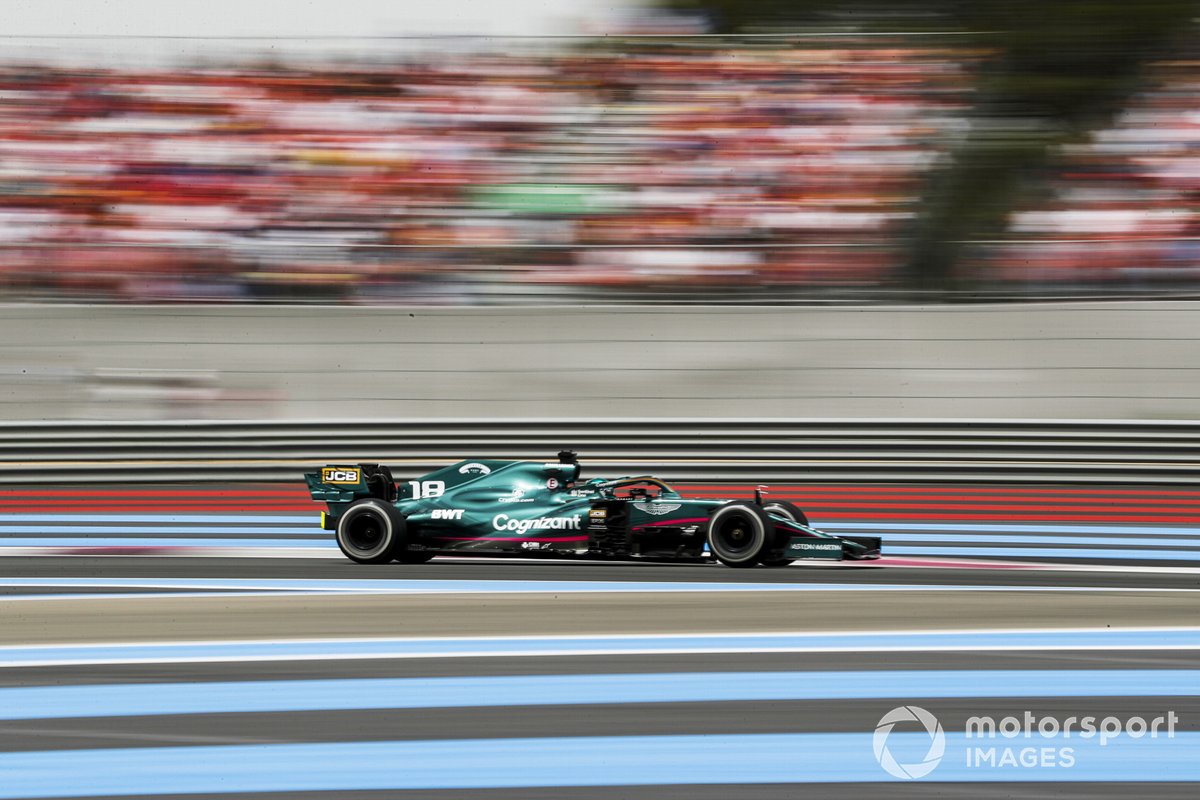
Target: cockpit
x=640, y=487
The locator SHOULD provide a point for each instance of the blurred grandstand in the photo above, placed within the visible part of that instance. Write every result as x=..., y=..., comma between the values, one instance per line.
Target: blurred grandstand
x=1118, y=211
x=690, y=169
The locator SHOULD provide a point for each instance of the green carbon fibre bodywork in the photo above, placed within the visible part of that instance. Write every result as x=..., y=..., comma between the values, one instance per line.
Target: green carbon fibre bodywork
x=492, y=507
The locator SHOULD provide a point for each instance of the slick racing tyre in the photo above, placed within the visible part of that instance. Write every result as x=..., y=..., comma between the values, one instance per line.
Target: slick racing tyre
x=370, y=532
x=782, y=508
x=739, y=534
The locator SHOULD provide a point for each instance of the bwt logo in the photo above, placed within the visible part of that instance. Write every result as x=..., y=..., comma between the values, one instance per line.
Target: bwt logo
x=447, y=513
x=339, y=475
x=937, y=742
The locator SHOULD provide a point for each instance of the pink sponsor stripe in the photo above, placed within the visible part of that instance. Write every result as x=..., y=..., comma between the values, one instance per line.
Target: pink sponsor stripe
x=674, y=522
x=513, y=538
x=943, y=516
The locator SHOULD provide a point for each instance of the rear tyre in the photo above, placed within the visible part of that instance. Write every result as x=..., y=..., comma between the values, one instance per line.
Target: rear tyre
x=739, y=534
x=782, y=508
x=370, y=532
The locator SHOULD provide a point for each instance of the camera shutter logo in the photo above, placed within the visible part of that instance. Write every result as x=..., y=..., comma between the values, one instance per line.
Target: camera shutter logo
x=937, y=742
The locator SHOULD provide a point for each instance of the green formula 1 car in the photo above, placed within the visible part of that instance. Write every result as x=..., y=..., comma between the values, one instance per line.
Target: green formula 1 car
x=535, y=509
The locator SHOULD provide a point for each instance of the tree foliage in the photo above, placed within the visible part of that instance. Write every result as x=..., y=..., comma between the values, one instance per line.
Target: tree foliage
x=1058, y=70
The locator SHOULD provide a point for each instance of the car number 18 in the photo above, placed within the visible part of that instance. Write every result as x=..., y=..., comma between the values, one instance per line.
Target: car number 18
x=422, y=490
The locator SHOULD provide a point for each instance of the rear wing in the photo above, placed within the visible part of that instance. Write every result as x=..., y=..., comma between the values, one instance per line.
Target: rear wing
x=344, y=484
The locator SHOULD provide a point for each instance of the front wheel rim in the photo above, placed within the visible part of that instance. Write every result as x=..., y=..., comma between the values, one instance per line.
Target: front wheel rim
x=735, y=536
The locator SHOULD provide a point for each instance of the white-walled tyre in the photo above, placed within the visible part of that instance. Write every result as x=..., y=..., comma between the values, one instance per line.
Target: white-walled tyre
x=370, y=532
x=739, y=534
x=782, y=508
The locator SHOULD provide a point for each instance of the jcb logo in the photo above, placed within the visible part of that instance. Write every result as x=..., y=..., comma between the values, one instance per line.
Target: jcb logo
x=339, y=475
x=447, y=513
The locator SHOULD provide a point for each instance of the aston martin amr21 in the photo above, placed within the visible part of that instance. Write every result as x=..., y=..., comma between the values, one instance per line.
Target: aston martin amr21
x=483, y=507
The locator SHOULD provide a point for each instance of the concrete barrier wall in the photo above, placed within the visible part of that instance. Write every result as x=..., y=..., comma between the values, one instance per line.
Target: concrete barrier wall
x=1081, y=360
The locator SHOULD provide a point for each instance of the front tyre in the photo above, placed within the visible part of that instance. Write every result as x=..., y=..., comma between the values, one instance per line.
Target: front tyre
x=370, y=531
x=739, y=534
x=782, y=508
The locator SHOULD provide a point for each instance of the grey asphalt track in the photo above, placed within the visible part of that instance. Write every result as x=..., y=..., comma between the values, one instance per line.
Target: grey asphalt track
x=601, y=664
x=265, y=616
x=855, y=573
x=140, y=618
x=200, y=618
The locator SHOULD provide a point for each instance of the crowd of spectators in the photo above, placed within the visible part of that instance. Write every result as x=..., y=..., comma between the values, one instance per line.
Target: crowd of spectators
x=1120, y=209
x=486, y=177
x=472, y=176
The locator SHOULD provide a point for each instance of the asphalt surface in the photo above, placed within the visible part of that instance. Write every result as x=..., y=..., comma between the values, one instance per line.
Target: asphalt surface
x=488, y=569
x=222, y=617
x=198, y=618
x=1090, y=599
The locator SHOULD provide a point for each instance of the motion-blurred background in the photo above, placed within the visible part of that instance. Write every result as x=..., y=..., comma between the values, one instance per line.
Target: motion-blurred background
x=710, y=150
x=929, y=269
x=521, y=153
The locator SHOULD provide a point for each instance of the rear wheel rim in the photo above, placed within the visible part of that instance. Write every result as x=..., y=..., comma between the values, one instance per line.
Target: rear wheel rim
x=366, y=532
